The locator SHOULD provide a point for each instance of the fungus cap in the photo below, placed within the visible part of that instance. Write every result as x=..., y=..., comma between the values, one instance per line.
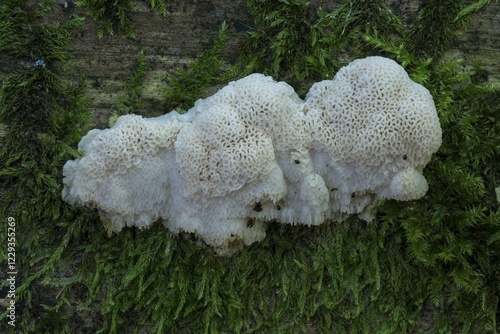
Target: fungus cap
x=367, y=124
x=123, y=171
x=254, y=152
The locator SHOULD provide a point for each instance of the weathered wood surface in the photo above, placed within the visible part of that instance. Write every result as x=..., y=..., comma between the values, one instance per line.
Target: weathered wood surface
x=190, y=27
x=167, y=41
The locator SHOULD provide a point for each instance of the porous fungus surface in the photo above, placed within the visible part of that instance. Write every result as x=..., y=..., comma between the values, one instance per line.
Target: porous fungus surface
x=255, y=152
x=369, y=124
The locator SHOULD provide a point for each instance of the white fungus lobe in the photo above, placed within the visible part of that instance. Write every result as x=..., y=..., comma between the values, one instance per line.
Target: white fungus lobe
x=254, y=152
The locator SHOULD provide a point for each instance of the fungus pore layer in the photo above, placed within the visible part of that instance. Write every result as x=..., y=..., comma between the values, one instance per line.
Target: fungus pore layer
x=255, y=152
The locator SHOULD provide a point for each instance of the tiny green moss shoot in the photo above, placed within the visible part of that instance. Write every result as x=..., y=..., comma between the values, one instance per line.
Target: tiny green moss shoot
x=130, y=101
x=186, y=85
x=116, y=16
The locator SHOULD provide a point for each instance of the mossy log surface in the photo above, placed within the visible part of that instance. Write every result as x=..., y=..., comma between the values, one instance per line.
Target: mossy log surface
x=190, y=27
x=170, y=41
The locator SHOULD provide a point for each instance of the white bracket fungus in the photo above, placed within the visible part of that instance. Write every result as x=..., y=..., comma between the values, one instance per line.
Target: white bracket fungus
x=255, y=152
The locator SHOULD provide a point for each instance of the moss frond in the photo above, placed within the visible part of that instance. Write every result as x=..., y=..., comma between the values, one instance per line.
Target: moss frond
x=115, y=16
x=186, y=85
x=23, y=34
x=130, y=102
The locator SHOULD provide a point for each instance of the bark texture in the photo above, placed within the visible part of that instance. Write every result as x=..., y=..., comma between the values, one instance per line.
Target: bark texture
x=190, y=27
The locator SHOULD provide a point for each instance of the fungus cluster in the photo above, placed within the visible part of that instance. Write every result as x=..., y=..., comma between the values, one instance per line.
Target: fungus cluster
x=255, y=152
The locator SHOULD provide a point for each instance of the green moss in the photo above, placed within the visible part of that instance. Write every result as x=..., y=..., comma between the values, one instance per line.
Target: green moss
x=291, y=43
x=23, y=34
x=432, y=258
x=436, y=25
x=130, y=102
x=186, y=85
x=114, y=16
x=44, y=117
